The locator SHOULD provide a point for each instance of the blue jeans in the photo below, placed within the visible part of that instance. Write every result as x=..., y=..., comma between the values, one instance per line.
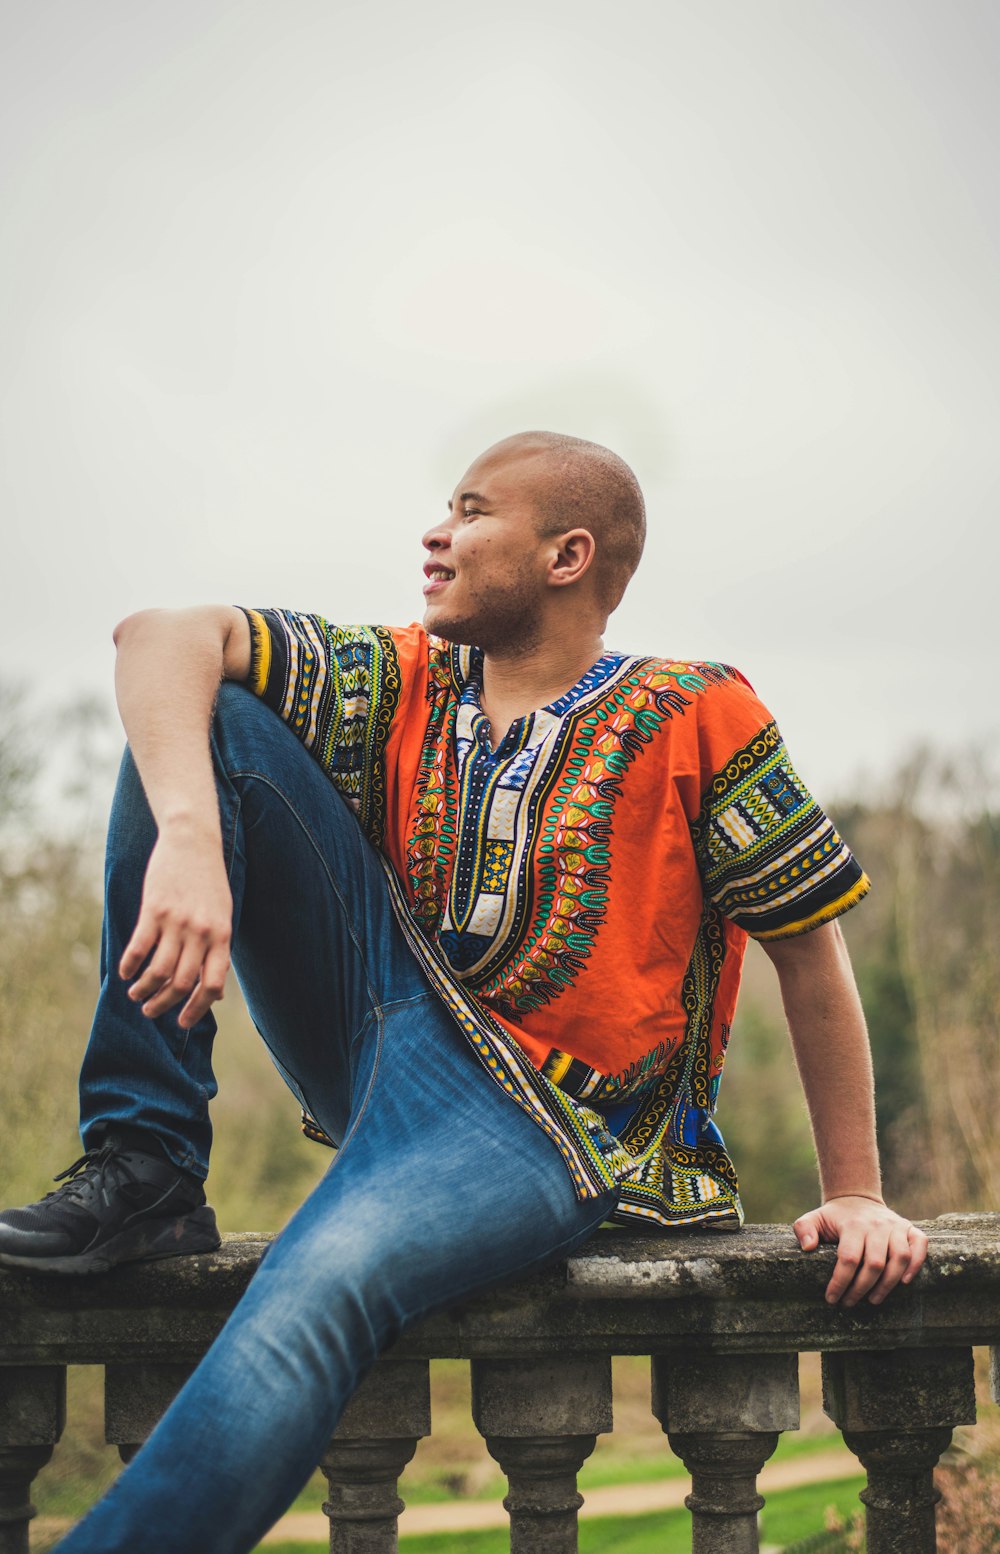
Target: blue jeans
x=442, y=1185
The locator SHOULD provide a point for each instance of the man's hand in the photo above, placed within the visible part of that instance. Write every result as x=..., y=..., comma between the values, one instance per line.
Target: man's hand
x=184, y=927
x=170, y=663
x=877, y=1249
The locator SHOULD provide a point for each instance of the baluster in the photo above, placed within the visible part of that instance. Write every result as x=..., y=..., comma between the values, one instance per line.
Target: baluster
x=896, y=1412
x=374, y=1441
x=723, y=1415
x=541, y=1419
x=32, y=1415
x=135, y=1397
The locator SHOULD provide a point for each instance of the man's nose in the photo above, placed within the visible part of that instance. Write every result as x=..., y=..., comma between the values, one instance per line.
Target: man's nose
x=436, y=538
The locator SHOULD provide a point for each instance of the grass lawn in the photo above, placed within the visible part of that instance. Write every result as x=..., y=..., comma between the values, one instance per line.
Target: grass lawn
x=788, y=1515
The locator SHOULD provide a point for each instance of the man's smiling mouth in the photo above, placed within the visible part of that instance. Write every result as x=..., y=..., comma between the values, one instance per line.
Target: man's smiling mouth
x=437, y=577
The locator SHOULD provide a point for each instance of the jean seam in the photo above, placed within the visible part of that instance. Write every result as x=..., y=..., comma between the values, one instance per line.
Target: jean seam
x=270, y=783
x=300, y=1091
x=353, y=1128
x=376, y=1013
x=376, y=1007
x=393, y=1004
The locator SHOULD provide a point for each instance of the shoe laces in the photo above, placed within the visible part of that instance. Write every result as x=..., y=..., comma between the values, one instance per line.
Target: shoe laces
x=92, y=1172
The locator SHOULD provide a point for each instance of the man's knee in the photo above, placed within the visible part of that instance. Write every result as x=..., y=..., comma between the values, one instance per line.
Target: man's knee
x=246, y=732
x=236, y=704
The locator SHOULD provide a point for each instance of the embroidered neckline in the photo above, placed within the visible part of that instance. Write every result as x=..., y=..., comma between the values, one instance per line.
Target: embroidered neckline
x=518, y=735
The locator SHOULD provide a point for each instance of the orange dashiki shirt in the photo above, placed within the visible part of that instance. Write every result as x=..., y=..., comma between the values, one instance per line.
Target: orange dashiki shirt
x=581, y=897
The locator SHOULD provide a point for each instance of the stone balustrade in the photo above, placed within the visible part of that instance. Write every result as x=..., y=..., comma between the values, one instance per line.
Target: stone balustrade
x=722, y=1316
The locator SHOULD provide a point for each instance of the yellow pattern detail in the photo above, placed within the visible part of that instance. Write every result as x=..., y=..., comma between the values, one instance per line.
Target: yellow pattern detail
x=824, y=915
x=560, y=1068
x=260, y=655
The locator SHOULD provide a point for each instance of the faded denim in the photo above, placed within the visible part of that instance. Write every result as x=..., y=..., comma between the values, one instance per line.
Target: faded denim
x=442, y=1185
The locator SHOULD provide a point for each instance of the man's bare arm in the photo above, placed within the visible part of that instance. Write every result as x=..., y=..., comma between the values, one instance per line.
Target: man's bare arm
x=876, y=1247
x=170, y=663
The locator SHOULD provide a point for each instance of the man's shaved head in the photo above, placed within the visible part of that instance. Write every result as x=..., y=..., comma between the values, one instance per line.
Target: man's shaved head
x=582, y=485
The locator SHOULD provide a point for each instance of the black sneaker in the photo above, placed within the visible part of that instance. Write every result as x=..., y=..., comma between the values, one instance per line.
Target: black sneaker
x=117, y=1206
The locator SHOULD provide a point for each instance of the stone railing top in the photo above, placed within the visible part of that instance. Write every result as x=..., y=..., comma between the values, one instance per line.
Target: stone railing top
x=751, y=1291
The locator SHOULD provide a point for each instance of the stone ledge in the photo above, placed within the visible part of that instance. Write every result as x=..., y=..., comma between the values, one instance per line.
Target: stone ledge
x=753, y=1291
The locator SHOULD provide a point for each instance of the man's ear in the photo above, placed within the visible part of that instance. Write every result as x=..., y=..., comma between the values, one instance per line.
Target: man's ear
x=573, y=556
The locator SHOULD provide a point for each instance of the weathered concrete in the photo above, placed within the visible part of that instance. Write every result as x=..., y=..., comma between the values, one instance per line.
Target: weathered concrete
x=723, y=1415
x=897, y=1412
x=375, y=1439
x=540, y=1420
x=754, y=1291
x=134, y=1398
x=32, y=1415
x=726, y=1392
x=723, y=1315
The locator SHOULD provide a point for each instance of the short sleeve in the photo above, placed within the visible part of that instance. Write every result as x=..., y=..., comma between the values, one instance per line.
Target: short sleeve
x=338, y=689
x=769, y=857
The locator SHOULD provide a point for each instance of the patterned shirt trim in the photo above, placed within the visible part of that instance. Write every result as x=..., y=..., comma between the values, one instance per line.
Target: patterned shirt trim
x=338, y=688
x=823, y=915
x=260, y=651
x=769, y=857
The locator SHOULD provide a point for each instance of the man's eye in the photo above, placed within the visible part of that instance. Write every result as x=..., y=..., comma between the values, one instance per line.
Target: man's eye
x=471, y=512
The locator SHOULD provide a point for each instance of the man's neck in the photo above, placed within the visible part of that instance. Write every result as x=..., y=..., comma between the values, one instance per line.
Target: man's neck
x=514, y=685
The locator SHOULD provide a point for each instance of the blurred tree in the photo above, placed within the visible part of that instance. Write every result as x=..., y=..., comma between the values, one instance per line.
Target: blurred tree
x=19, y=759
x=763, y=1116
x=929, y=953
x=874, y=936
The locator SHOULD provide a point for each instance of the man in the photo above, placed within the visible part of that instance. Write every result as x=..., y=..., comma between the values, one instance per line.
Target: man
x=510, y=1014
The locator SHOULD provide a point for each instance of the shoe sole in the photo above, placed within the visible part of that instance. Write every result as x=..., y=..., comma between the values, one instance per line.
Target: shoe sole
x=144, y=1242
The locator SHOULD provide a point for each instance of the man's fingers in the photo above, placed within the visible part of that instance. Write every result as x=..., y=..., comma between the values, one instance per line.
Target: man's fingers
x=139, y=946
x=877, y=1249
x=896, y=1263
x=159, y=971
x=871, y=1267
x=209, y=990
x=183, y=978
x=807, y=1232
x=849, y=1255
x=918, y=1244
x=179, y=969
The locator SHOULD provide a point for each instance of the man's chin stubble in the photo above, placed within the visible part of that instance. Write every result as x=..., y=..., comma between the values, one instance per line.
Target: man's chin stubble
x=503, y=634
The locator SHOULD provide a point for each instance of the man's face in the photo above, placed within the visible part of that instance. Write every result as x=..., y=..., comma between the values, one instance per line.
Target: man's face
x=486, y=564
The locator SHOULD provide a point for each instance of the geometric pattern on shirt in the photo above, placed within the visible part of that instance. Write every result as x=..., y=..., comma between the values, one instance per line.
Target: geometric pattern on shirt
x=769, y=857
x=471, y=849
x=548, y=790
x=686, y=1176
x=338, y=688
x=691, y=1069
x=669, y=1166
x=576, y=832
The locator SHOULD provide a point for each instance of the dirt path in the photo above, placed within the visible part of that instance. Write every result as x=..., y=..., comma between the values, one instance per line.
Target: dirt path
x=613, y=1500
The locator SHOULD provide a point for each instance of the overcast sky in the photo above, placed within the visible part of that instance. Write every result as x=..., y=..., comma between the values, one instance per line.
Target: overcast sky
x=272, y=273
